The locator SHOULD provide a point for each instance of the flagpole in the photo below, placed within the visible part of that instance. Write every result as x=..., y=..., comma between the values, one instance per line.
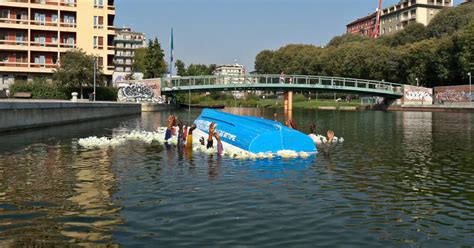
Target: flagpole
x=171, y=54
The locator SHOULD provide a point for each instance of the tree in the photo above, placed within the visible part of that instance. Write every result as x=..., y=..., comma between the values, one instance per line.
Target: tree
x=155, y=65
x=180, y=68
x=76, y=69
x=264, y=62
x=347, y=38
x=139, y=60
x=450, y=20
x=414, y=32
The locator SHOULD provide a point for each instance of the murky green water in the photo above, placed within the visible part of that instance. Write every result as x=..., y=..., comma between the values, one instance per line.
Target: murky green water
x=399, y=179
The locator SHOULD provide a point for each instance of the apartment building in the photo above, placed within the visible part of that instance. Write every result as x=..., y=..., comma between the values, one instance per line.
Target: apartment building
x=364, y=25
x=34, y=34
x=126, y=42
x=398, y=16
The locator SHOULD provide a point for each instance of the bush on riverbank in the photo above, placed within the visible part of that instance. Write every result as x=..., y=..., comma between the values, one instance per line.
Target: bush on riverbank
x=42, y=89
x=39, y=89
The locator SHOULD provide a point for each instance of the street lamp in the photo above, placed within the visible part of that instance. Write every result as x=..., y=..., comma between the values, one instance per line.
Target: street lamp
x=95, y=76
x=417, y=82
x=470, y=87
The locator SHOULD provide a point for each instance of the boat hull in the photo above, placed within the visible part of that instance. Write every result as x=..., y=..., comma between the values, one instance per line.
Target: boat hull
x=252, y=134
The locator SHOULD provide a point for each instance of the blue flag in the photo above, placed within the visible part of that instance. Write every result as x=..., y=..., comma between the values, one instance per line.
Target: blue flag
x=171, y=53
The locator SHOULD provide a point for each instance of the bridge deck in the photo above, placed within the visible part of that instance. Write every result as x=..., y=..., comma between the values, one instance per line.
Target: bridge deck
x=279, y=83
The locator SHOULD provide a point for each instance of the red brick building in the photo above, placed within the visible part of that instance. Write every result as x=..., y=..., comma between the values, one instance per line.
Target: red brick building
x=364, y=25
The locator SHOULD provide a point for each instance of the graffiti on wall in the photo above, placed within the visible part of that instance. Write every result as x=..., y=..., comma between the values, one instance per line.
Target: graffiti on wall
x=458, y=93
x=416, y=95
x=138, y=93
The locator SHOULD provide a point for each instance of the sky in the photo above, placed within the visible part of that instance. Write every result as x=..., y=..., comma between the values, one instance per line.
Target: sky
x=230, y=31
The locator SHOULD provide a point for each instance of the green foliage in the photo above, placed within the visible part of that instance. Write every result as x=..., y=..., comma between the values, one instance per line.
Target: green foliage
x=194, y=69
x=151, y=60
x=39, y=89
x=440, y=54
x=450, y=20
x=414, y=32
x=347, y=38
x=299, y=98
x=180, y=68
x=139, y=59
x=76, y=70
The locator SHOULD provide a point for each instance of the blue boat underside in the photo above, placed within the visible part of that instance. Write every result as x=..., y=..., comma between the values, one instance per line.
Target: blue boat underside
x=254, y=134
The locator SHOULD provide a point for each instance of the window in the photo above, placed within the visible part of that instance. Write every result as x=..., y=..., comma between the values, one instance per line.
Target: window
x=3, y=58
x=40, y=39
x=40, y=59
x=19, y=38
x=98, y=21
x=40, y=18
x=98, y=3
x=69, y=20
x=54, y=39
x=69, y=2
x=3, y=35
x=54, y=18
x=5, y=13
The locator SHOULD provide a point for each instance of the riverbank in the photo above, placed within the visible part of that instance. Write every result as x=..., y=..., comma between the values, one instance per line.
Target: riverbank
x=21, y=114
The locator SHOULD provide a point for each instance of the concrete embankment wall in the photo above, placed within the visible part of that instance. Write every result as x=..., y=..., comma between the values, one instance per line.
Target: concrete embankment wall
x=27, y=114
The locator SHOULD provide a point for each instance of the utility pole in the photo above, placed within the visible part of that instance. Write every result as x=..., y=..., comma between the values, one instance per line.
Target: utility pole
x=470, y=88
x=95, y=76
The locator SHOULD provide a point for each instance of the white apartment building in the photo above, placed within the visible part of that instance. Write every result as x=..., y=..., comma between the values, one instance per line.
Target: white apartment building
x=398, y=16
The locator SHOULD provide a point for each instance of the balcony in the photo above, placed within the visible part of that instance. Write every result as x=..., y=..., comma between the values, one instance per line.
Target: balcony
x=14, y=43
x=68, y=45
x=68, y=3
x=44, y=23
x=45, y=2
x=13, y=64
x=67, y=25
x=13, y=21
x=43, y=44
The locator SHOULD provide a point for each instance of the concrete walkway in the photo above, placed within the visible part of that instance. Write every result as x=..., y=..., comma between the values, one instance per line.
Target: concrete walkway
x=27, y=113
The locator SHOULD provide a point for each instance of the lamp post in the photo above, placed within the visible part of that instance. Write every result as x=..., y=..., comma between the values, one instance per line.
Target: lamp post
x=470, y=88
x=95, y=76
x=417, y=82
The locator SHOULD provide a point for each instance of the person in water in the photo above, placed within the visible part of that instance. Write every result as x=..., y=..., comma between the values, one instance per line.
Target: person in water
x=189, y=138
x=210, y=141
x=326, y=146
x=291, y=124
x=170, y=130
x=312, y=129
x=220, y=148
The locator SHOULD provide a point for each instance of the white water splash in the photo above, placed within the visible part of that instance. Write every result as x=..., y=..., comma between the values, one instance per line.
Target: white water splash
x=158, y=136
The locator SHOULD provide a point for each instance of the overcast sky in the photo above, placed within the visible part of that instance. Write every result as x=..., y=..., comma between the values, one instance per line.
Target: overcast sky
x=225, y=31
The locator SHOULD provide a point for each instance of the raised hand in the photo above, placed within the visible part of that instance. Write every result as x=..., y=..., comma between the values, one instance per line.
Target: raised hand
x=330, y=135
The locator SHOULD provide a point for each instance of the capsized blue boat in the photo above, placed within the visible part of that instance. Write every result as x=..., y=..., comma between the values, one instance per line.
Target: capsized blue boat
x=254, y=134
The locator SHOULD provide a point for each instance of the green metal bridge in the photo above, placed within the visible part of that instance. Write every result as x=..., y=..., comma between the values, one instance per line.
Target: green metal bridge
x=175, y=85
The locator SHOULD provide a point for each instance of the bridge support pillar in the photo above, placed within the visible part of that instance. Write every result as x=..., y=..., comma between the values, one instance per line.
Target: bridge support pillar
x=288, y=106
x=288, y=101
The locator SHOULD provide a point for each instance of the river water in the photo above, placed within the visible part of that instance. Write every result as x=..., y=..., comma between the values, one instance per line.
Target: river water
x=399, y=179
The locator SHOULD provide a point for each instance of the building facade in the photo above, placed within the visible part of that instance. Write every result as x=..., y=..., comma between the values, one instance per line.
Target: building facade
x=34, y=34
x=398, y=16
x=126, y=42
x=229, y=70
x=364, y=25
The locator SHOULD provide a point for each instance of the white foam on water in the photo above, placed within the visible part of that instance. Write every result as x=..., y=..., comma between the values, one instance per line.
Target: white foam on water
x=158, y=136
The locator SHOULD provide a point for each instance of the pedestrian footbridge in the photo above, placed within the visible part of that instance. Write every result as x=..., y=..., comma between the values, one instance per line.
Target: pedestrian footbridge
x=298, y=83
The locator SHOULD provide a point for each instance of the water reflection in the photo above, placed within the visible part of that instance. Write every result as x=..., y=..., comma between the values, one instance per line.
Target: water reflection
x=50, y=192
x=399, y=179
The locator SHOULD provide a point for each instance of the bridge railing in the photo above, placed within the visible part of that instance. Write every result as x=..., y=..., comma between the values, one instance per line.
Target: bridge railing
x=274, y=79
